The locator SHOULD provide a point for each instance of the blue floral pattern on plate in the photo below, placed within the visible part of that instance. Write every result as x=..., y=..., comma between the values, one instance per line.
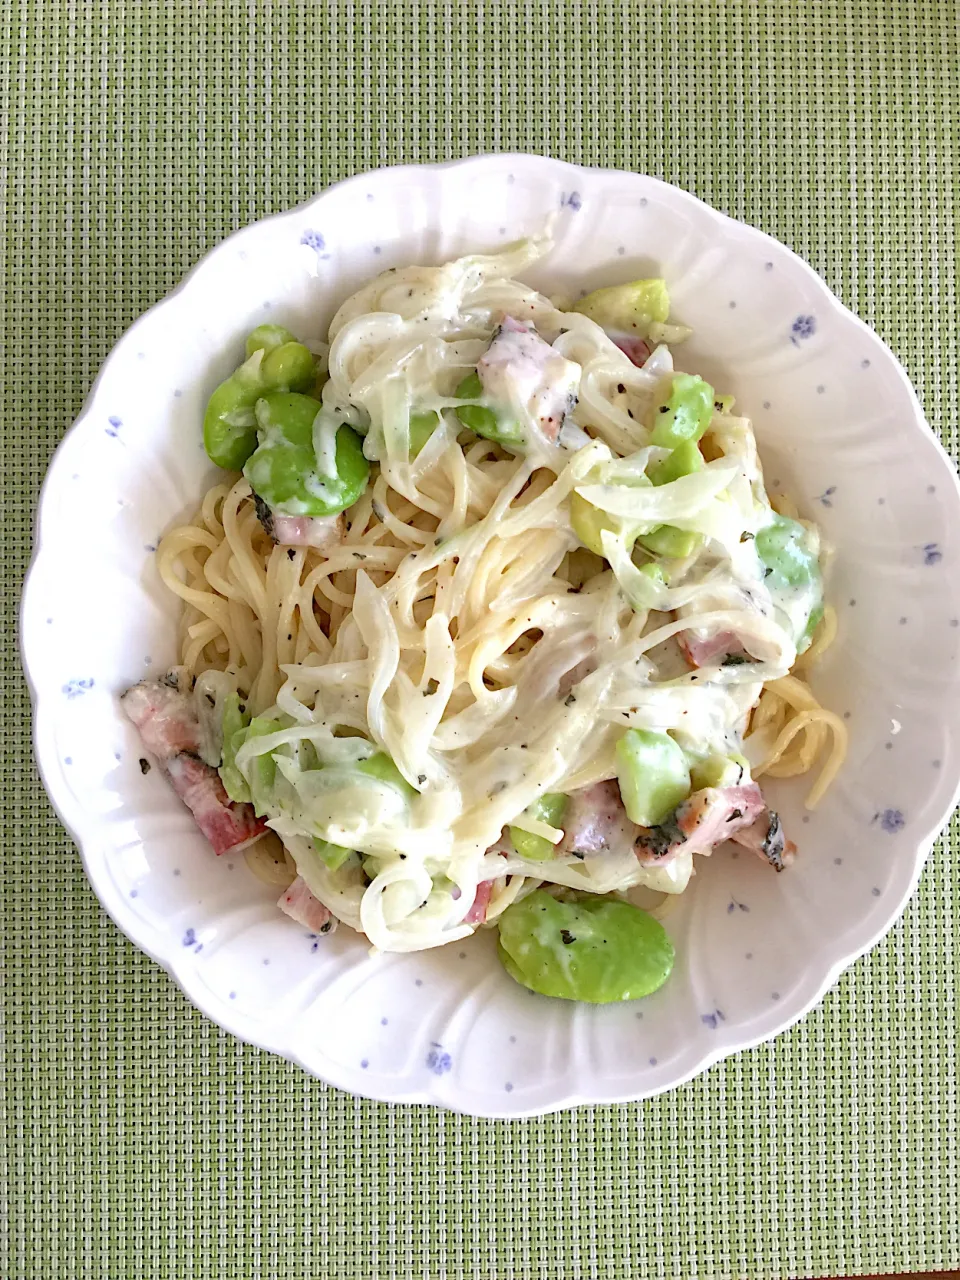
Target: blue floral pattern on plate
x=438, y=1060
x=76, y=688
x=802, y=328
x=891, y=820
x=315, y=241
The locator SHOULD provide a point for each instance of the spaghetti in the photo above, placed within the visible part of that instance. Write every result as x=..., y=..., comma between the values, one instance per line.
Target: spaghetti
x=463, y=627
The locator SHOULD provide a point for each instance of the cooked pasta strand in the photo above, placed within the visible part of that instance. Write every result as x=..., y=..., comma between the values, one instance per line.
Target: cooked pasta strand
x=460, y=653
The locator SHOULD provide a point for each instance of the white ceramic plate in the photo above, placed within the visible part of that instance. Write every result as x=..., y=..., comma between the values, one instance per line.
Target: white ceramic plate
x=838, y=426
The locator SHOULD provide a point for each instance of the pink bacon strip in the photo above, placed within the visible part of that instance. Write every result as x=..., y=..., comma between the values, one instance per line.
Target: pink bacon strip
x=169, y=728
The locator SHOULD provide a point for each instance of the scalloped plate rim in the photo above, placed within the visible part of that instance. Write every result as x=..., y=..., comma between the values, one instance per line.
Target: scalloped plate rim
x=141, y=934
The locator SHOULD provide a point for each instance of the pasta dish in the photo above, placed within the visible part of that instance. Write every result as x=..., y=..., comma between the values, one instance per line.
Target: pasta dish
x=489, y=619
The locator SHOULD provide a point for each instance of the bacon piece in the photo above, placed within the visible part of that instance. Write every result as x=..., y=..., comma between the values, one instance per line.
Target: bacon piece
x=301, y=905
x=585, y=667
x=765, y=838
x=521, y=369
x=478, y=909
x=595, y=821
x=167, y=721
x=703, y=652
x=164, y=716
x=319, y=532
x=635, y=349
x=229, y=827
x=705, y=819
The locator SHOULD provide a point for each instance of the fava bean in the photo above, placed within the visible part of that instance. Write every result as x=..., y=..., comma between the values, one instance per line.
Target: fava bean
x=788, y=551
x=687, y=413
x=550, y=809
x=589, y=522
x=685, y=459
x=653, y=774
x=229, y=424
x=287, y=418
x=289, y=367
x=784, y=547
x=483, y=420
x=584, y=947
x=718, y=771
x=422, y=427
x=283, y=469
x=668, y=541
x=267, y=336
x=806, y=636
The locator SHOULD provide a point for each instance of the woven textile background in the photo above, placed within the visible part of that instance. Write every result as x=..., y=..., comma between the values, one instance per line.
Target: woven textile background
x=140, y=1140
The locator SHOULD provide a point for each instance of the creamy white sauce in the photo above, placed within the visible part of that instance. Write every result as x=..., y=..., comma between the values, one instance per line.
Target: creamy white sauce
x=536, y=384
x=476, y=757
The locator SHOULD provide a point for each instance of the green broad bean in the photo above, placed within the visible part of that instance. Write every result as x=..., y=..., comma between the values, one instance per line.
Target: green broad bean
x=422, y=427
x=549, y=808
x=687, y=413
x=668, y=541
x=784, y=547
x=267, y=336
x=332, y=855
x=806, y=638
x=289, y=367
x=653, y=774
x=632, y=307
x=283, y=469
x=685, y=459
x=716, y=770
x=584, y=947
x=589, y=522
x=788, y=552
x=229, y=423
x=236, y=718
x=287, y=418
x=483, y=420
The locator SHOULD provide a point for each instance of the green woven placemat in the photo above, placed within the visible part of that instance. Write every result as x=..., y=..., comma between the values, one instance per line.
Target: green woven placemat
x=140, y=1140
